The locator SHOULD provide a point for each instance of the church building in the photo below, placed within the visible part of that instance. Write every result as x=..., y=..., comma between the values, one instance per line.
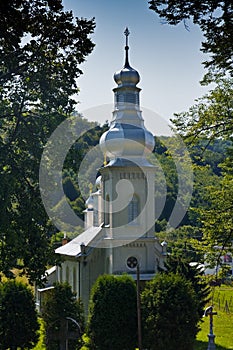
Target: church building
x=120, y=213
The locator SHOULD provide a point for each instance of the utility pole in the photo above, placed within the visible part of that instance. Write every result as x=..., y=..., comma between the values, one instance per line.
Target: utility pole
x=139, y=309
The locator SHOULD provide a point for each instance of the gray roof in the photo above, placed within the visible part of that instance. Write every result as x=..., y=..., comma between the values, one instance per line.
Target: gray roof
x=50, y=271
x=73, y=248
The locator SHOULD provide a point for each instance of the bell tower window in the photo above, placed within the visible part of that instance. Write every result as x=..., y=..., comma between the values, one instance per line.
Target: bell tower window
x=133, y=210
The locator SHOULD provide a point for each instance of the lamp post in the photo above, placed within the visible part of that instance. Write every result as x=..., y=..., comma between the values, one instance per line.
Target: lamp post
x=209, y=312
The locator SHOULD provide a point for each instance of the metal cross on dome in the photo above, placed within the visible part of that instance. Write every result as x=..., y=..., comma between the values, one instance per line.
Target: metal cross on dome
x=126, y=32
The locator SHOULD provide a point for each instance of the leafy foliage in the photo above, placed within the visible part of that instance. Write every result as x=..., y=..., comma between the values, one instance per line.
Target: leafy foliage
x=18, y=317
x=206, y=160
x=41, y=47
x=215, y=21
x=166, y=154
x=112, y=322
x=218, y=242
x=209, y=124
x=211, y=116
x=194, y=274
x=180, y=242
x=59, y=304
x=170, y=313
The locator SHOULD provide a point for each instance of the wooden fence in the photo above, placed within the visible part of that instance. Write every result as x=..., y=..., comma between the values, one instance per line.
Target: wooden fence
x=223, y=303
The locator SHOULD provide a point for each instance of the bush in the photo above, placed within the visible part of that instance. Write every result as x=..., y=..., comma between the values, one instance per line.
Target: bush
x=18, y=318
x=112, y=322
x=59, y=304
x=169, y=313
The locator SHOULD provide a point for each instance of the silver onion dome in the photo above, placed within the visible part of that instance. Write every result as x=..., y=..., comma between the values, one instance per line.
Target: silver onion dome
x=126, y=140
x=127, y=76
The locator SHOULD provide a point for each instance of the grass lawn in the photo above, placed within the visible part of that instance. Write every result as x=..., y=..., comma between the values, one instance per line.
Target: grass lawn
x=223, y=321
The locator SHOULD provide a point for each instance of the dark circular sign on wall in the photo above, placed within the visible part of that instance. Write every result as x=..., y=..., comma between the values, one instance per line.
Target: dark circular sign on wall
x=132, y=262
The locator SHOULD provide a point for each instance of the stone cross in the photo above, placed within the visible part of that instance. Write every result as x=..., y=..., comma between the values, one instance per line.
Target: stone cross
x=209, y=312
x=63, y=335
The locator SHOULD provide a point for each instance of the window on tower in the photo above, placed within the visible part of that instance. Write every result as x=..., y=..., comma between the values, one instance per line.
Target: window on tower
x=130, y=98
x=107, y=211
x=133, y=210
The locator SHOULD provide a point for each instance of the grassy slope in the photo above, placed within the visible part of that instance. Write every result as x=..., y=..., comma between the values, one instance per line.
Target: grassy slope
x=223, y=321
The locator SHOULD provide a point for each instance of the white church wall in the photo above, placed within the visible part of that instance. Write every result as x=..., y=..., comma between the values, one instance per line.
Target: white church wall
x=69, y=272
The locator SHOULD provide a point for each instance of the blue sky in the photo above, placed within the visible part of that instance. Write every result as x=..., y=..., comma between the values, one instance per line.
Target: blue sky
x=168, y=59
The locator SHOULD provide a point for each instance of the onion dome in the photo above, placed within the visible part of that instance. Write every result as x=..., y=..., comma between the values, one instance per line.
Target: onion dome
x=127, y=136
x=127, y=76
x=98, y=182
x=90, y=200
x=89, y=203
x=126, y=140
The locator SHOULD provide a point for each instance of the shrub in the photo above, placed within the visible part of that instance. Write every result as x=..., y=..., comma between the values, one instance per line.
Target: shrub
x=59, y=304
x=169, y=313
x=112, y=322
x=18, y=318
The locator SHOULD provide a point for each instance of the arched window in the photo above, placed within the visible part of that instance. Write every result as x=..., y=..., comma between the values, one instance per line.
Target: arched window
x=133, y=210
x=74, y=280
x=95, y=217
x=60, y=269
x=107, y=265
x=107, y=211
x=67, y=274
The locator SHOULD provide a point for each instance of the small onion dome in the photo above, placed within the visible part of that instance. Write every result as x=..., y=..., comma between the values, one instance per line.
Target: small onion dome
x=126, y=140
x=127, y=76
x=89, y=202
x=98, y=182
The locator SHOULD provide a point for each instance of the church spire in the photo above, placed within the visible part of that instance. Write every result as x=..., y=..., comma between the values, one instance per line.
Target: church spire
x=126, y=32
x=127, y=76
x=127, y=135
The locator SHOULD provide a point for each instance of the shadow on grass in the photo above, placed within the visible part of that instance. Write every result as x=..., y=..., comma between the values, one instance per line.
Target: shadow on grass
x=203, y=345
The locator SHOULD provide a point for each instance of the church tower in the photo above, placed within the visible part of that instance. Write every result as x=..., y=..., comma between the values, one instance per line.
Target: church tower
x=127, y=182
x=119, y=220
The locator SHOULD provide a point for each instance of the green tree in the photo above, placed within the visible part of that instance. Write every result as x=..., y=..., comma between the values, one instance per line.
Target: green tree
x=179, y=242
x=211, y=117
x=18, y=318
x=112, y=322
x=59, y=304
x=194, y=274
x=171, y=172
x=217, y=221
x=215, y=21
x=41, y=48
x=169, y=313
x=208, y=122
